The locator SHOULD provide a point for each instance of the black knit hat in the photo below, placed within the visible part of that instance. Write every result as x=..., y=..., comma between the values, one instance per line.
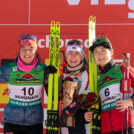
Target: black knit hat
x=101, y=41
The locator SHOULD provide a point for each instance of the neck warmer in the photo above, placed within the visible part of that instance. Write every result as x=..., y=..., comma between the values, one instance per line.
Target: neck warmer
x=107, y=67
x=74, y=70
x=26, y=68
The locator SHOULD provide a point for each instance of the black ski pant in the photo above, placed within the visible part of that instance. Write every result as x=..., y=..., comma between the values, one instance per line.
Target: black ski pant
x=20, y=129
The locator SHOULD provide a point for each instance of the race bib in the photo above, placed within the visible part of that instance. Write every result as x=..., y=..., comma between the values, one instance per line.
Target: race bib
x=109, y=95
x=25, y=95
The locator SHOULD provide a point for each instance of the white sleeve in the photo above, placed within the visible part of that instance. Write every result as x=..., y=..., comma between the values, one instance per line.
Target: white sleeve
x=84, y=82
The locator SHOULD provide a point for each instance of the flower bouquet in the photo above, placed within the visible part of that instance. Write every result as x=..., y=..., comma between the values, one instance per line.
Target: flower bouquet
x=87, y=99
x=84, y=100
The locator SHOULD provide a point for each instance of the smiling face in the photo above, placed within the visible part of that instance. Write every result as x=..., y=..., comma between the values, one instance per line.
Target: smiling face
x=74, y=58
x=102, y=55
x=27, y=54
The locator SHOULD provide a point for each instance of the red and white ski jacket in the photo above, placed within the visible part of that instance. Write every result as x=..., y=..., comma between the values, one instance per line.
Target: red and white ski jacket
x=111, y=120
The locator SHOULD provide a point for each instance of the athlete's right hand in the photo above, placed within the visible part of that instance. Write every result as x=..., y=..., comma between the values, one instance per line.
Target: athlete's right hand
x=88, y=116
x=50, y=69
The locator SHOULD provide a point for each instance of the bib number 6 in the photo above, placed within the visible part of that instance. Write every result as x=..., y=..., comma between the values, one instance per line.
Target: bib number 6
x=107, y=93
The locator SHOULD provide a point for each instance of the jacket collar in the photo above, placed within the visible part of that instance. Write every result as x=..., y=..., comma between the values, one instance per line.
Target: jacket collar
x=107, y=67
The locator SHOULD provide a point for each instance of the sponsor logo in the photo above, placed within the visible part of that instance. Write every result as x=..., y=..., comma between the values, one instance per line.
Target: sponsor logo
x=27, y=78
x=38, y=68
x=73, y=105
x=106, y=78
x=108, y=81
x=5, y=92
x=116, y=68
x=73, y=2
x=15, y=68
x=116, y=96
x=44, y=43
x=130, y=4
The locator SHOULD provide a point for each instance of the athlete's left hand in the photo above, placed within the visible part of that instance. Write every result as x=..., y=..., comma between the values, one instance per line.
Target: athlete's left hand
x=123, y=104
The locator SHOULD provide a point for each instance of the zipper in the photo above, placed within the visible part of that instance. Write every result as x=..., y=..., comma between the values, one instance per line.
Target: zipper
x=110, y=120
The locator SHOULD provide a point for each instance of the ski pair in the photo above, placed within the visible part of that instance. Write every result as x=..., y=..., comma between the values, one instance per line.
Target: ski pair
x=53, y=80
x=125, y=87
x=95, y=123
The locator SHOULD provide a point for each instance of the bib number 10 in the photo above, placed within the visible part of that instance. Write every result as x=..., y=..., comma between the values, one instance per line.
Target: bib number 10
x=30, y=91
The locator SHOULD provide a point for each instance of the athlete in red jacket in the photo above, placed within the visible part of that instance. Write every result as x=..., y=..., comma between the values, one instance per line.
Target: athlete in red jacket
x=109, y=87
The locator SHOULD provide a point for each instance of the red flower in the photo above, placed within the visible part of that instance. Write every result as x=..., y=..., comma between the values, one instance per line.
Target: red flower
x=79, y=96
x=89, y=97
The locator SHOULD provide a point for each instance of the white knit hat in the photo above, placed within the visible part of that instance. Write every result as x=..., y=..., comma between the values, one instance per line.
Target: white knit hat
x=75, y=47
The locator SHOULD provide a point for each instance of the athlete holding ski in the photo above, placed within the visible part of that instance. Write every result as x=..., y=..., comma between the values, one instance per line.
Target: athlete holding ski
x=76, y=71
x=109, y=83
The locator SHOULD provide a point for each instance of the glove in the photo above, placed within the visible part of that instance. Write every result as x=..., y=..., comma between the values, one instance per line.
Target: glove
x=72, y=108
x=50, y=69
x=69, y=110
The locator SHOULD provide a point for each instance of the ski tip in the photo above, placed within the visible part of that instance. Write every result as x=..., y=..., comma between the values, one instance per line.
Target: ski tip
x=52, y=23
x=58, y=23
x=92, y=18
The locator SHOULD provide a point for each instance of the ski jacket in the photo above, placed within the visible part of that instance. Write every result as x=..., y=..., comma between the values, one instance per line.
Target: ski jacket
x=81, y=126
x=25, y=88
x=82, y=78
x=109, y=84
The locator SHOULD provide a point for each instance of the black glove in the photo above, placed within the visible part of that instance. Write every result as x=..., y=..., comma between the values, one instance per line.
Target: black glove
x=50, y=69
x=71, y=109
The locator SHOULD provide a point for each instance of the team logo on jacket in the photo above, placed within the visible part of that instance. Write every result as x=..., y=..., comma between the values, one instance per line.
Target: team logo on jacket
x=116, y=67
x=27, y=78
x=38, y=68
x=15, y=68
x=73, y=104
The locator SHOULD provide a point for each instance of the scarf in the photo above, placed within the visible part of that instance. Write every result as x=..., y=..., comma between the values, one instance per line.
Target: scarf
x=74, y=70
x=26, y=68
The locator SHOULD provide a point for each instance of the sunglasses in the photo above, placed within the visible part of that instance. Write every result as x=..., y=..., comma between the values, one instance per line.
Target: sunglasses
x=28, y=36
x=75, y=43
